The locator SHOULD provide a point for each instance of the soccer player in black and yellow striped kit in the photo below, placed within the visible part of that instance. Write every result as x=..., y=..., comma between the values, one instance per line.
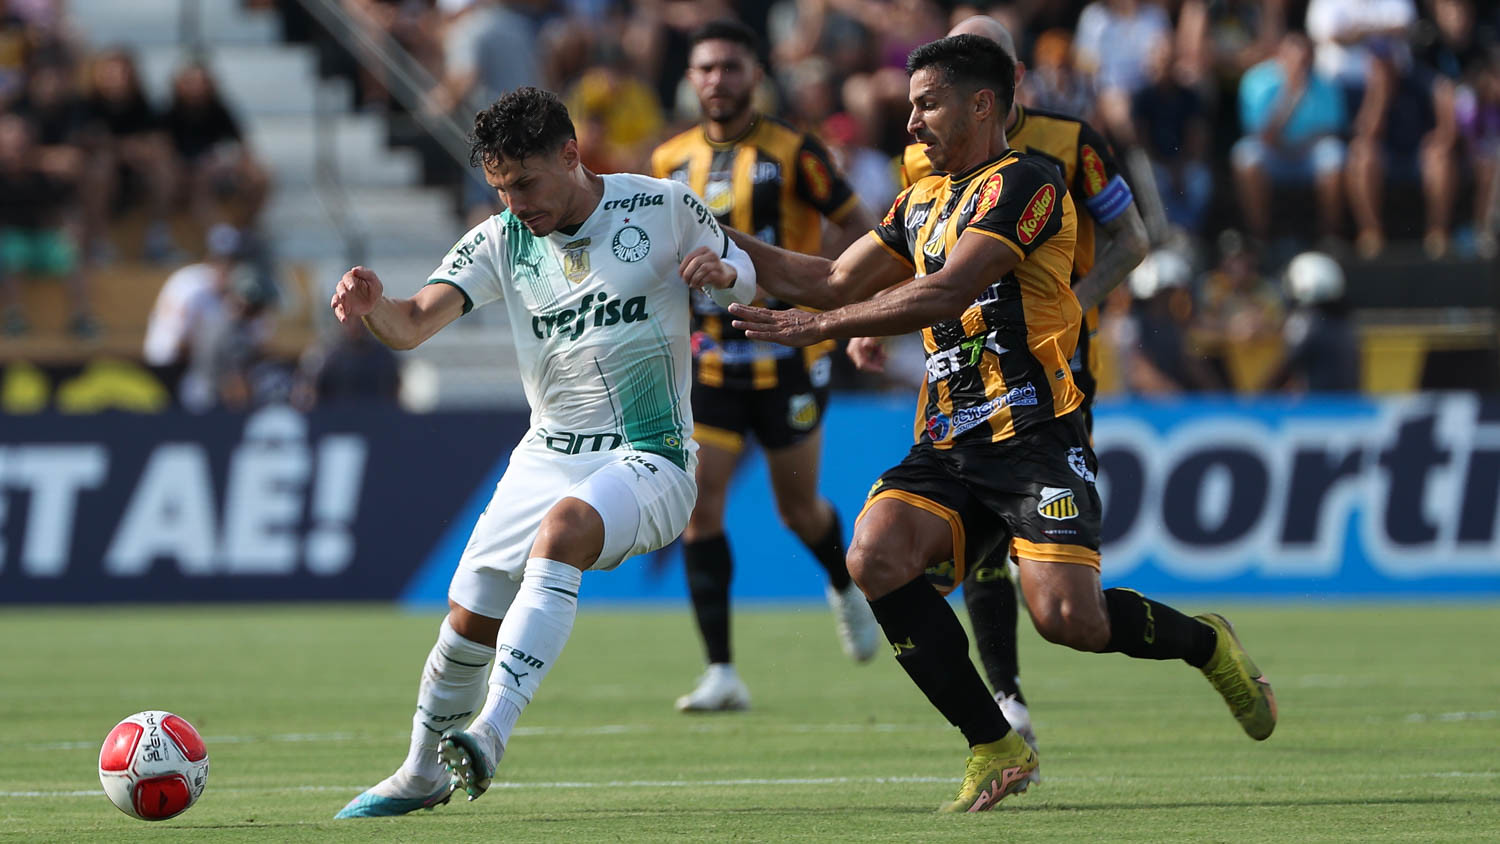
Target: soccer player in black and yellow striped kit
x=980, y=259
x=1104, y=202
x=762, y=176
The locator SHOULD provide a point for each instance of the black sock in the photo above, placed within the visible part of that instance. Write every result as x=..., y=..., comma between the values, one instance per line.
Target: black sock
x=932, y=648
x=991, y=598
x=1145, y=629
x=709, y=570
x=829, y=552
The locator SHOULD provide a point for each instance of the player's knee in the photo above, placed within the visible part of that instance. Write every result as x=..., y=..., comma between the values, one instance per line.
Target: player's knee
x=572, y=532
x=878, y=568
x=807, y=520
x=704, y=523
x=1073, y=623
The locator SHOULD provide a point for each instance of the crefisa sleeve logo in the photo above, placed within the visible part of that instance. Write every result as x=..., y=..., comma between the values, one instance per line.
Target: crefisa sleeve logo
x=1036, y=213
x=631, y=244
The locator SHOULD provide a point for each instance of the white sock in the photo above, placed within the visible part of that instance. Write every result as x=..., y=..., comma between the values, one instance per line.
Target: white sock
x=450, y=691
x=531, y=639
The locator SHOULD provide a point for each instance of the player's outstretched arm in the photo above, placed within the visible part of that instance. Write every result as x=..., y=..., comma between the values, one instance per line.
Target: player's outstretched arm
x=398, y=323
x=1124, y=250
x=861, y=271
x=977, y=261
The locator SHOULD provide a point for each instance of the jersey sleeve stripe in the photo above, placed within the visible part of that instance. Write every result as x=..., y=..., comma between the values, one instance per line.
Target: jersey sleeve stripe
x=468, y=303
x=894, y=254
x=1110, y=203
x=842, y=213
x=1002, y=238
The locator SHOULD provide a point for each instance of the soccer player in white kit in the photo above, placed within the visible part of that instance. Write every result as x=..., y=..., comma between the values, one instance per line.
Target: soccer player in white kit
x=591, y=270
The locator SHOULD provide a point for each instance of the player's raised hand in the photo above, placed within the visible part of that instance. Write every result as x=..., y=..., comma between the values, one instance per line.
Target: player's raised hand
x=790, y=327
x=357, y=294
x=868, y=353
x=703, y=268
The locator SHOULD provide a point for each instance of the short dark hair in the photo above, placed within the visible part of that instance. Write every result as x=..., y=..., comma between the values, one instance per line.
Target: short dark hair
x=972, y=62
x=525, y=122
x=726, y=29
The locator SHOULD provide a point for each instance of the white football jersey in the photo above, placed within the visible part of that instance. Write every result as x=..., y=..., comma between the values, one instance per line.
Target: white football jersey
x=600, y=317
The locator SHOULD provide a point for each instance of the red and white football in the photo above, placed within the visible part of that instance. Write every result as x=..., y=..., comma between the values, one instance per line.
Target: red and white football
x=153, y=765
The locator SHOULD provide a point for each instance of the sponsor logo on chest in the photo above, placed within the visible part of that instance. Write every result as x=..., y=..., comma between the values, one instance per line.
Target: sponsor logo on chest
x=595, y=309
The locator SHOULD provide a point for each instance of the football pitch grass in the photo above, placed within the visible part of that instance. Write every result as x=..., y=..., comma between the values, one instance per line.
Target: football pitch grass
x=1389, y=731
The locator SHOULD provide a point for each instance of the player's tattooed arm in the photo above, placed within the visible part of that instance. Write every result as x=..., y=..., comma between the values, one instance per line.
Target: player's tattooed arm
x=863, y=270
x=974, y=264
x=1122, y=251
x=398, y=323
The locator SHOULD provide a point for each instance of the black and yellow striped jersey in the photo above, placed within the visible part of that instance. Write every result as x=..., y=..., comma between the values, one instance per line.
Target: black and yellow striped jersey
x=775, y=183
x=1002, y=366
x=1093, y=178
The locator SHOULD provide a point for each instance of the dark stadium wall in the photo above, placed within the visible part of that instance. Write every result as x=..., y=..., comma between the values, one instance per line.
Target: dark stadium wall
x=275, y=505
x=1317, y=497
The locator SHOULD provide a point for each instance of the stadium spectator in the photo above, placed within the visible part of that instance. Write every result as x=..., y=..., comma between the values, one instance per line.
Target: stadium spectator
x=1237, y=321
x=1224, y=38
x=1322, y=348
x=1404, y=133
x=413, y=24
x=189, y=317
x=1054, y=83
x=1151, y=341
x=1347, y=34
x=489, y=47
x=1114, y=39
x=57, y=118
x=1461, y=52
x=208, y=142
x=128, y=153
x=801, y=29
x=35, y=207
x=349, y=367
x=1477, y=109
x=617, y=116
x=239, y=362
x=1292, y=118
x=1170, y=122
x=15, y=47
x=868, y=171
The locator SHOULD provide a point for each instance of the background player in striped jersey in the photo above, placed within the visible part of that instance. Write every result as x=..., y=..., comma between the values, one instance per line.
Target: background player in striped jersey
x=765, y=177
x=1001, y=453
x=1088, y=167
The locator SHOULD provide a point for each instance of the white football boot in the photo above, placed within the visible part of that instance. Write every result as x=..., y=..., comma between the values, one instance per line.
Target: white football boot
x=718, y=690
x=1020, y=720
x=858, y=631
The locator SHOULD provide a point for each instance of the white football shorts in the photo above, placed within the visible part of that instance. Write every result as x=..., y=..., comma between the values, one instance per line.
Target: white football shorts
x=643, y=498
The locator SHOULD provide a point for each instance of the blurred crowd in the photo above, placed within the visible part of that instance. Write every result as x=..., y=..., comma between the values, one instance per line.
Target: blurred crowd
x=1234, y=103
x=1250, y=130
x=82, y=147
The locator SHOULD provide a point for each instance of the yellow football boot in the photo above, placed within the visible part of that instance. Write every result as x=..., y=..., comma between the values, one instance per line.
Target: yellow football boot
x=1236, y=678
x=993, y=771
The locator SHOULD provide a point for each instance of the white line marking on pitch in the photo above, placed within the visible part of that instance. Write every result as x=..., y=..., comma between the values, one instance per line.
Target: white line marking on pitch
x=733, y=783
x=602, y=730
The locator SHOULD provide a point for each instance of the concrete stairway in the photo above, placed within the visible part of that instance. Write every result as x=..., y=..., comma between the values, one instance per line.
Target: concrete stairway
x=275, y=91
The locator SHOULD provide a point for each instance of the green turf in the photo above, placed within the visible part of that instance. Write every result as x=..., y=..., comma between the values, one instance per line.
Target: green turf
x=1389, y=731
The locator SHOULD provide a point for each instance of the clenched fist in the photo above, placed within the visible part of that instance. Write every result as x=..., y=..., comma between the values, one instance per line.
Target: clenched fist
x=357, y=294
